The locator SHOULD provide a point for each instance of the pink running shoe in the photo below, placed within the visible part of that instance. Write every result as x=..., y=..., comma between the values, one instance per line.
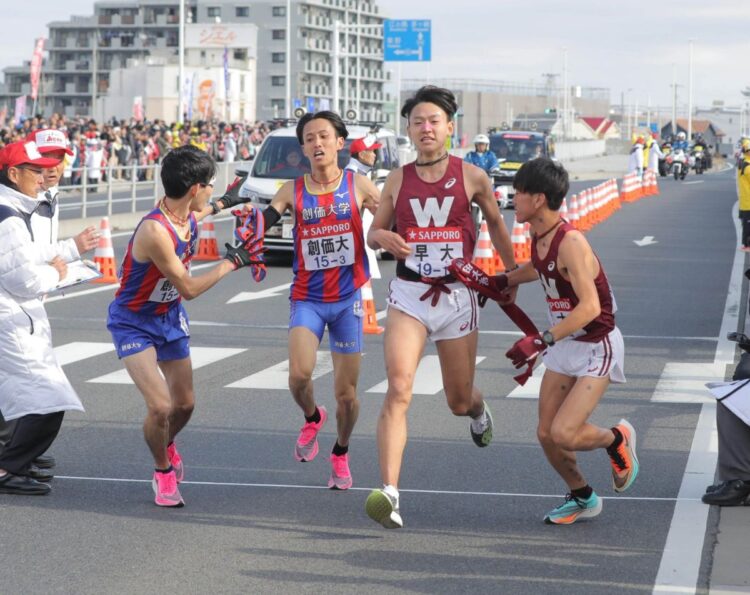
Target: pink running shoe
x=176, y=461
x=166, y=490
x=341, y=477
x=307, y=444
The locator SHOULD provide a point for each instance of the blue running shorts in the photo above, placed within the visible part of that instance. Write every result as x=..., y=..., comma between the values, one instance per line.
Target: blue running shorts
x=168, y=333
x=344, y=320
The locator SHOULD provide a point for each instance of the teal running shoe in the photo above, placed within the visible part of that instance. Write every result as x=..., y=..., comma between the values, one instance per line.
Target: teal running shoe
x=573, y=509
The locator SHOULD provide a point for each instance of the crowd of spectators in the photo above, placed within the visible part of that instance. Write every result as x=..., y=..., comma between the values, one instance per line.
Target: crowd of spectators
x=128, y=146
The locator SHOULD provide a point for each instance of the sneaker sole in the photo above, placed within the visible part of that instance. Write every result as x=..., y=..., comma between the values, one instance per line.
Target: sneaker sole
x=179, y=504
x=334, y=485
x=636, y=465
x=589, y=513
x=305, y=458
x=379, y=508
x=479, y=438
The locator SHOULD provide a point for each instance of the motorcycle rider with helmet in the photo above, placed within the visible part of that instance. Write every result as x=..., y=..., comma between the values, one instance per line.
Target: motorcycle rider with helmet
x=680, y=142
x=482, y=157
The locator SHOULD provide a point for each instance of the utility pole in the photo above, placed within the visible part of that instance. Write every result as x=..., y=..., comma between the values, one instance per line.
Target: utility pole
x=690, y=91
x=288, y=60
x=566, y=93
x=181, y=62
x=95, y=67
x=674, y=101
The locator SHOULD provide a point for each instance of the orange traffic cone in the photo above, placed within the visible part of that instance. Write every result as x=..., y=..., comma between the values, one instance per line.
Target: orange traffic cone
x=371, y=319
x=518, y=237
x=104, y=256
x=573, y=210
x=483, y=251
x=208, y=249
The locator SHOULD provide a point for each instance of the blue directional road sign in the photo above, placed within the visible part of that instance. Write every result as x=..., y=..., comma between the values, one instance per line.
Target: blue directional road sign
x=407, y=41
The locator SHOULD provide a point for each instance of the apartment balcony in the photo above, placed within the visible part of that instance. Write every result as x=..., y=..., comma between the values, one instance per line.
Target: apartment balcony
x=318, y=45
x=318, y=22
x=318, y=68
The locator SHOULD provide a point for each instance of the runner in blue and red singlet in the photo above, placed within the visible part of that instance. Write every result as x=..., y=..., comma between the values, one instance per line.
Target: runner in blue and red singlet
x=147, y=320
x=330, y=267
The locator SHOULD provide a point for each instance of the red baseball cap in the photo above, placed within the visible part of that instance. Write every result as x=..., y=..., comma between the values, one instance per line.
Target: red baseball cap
x=366, y=143
x=49, y=139
x=22, y=153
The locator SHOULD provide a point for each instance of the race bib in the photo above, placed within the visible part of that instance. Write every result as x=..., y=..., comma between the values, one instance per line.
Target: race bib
x=559, y=308
x=163, y=291
x=433, y=249
x=327, y=245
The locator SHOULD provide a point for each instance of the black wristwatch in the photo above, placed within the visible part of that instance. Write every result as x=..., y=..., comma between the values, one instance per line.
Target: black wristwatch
x=548, y=339
x=215, y=208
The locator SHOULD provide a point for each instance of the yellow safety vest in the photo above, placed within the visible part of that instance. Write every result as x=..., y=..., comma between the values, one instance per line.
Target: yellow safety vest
x=743, y=183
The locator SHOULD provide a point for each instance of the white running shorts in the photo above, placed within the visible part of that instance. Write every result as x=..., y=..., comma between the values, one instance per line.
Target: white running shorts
x=455, y=315
x=577, y=359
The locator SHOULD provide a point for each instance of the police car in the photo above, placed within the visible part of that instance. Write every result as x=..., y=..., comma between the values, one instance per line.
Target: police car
x=280, y=159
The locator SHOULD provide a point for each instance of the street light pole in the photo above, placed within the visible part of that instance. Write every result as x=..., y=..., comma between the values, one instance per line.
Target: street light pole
x=690, y=91
x=95, y=67
x=336, y=55
x=181, y=62
x=674, y=101
x=288, y=77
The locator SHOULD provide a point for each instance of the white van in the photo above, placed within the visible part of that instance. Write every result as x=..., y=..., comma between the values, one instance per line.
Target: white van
x=280, y=159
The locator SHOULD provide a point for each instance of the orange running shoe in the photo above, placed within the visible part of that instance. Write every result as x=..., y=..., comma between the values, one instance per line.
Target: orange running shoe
x=625, y=461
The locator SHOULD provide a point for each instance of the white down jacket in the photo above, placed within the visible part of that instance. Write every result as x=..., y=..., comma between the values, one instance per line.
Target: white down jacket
x=31, y=380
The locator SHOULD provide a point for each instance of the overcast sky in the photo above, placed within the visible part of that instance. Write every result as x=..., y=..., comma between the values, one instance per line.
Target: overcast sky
x=619, y=45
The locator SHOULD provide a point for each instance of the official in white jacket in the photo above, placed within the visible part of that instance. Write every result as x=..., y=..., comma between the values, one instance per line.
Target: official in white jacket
x=33, y=388
x=635, y=162
x=654, y=154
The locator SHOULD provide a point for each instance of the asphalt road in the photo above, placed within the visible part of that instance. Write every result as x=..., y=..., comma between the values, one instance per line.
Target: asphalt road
x=256, y=521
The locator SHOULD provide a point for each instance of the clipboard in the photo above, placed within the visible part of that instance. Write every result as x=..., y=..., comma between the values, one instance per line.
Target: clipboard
x=79, y=271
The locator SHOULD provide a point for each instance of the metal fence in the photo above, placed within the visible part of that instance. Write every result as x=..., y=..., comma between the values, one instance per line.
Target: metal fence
x=125, y=189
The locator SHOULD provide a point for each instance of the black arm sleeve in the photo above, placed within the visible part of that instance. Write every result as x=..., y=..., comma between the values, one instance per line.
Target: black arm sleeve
x=270, y=217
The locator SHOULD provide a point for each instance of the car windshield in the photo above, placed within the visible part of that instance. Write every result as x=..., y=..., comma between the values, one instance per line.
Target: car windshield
x=516, y=148
x=281, y=158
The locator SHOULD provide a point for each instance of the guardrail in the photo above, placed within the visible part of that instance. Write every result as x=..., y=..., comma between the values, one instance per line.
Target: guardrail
x=126, y=188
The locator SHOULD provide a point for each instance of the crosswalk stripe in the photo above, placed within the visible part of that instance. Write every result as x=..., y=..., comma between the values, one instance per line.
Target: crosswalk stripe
x=277, y=377
x=530, y=390
x=200, y=356
x=427, y=381
x=686, y=382
x=77, y=351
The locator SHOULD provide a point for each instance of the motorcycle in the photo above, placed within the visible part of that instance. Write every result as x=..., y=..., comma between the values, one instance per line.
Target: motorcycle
x=664, y=164
x=679, y=164
x=700, y=160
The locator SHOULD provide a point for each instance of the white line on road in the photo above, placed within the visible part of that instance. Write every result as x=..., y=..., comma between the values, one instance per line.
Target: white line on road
x=364, y=489
x=199, y=356
x=277, y=377
x=427, y=381
x=77, y=351
x=680, y=562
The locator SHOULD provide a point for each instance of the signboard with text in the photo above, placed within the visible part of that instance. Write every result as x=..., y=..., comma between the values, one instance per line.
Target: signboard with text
x=407, y=40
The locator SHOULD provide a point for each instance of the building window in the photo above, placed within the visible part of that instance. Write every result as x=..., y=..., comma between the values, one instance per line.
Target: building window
x=278, y=11
x=278, y=57
x=242, y=11
x=240, y=54
x=278, y=81
x=278, y=34
x=213, y=12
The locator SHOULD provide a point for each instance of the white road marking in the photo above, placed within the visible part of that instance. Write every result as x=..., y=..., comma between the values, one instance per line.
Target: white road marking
x=533, y=385
x=277, y=377
x=427, y=381
x=200, y=356
x=686, y=382
x=246, y=296
x=363, y=489
x=680, y=562
x=80, y=350
x=111, y=286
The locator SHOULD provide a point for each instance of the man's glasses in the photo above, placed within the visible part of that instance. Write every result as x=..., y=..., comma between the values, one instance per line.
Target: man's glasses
x=37, y=172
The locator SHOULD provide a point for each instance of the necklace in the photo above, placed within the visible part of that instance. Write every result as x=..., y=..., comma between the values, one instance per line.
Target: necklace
x=433, y=162
x=540, y=236
x=326, y=182
x=175, y=218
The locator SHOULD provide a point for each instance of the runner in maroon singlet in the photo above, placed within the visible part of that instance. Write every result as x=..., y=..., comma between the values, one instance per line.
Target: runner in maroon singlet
x=582, y=349
x=429, y=202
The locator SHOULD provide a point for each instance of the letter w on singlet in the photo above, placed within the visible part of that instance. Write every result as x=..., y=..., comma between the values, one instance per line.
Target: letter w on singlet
x=431, y=210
